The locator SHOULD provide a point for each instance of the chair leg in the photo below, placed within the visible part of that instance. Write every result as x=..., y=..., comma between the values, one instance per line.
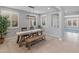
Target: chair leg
x=18, y=39
x=28, y=45
x=43, y=38
x=20, y=43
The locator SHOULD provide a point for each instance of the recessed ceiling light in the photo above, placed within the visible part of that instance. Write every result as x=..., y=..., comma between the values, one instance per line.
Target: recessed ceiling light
x=48, y=8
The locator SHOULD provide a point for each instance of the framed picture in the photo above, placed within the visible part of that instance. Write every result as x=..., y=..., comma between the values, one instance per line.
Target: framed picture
x=12, y=16
x=55, y=20
x=14, y=20
x=72, y=21
x=75, y=22
x=69, y=23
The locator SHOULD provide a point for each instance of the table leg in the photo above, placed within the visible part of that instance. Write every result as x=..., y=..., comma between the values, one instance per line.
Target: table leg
x=41, y=32
x=20, y=41
x=18, y=38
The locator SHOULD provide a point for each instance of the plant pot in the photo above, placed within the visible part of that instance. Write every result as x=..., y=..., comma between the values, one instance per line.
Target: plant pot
x=1, y=40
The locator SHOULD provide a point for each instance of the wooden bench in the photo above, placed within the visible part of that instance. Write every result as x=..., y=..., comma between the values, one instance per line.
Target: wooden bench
x=30, y=41
x=30, y=37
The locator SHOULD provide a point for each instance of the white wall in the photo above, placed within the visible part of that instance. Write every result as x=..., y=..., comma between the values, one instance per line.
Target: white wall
x=23, y=21
x=56, y=32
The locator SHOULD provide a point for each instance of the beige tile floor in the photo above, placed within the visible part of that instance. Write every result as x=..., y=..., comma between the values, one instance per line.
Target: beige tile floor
x=50, y=45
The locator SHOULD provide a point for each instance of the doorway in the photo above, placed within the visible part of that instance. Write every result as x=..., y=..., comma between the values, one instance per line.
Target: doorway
x=71, y=28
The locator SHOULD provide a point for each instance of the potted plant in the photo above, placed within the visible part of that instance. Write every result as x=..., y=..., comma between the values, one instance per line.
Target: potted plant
x=4, y=24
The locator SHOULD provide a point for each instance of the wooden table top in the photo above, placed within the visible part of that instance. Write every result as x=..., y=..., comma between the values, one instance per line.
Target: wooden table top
x=28, y=32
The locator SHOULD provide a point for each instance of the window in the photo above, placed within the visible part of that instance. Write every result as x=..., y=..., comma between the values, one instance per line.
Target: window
x=13, y=17
x=72, y=21
x=55, y=20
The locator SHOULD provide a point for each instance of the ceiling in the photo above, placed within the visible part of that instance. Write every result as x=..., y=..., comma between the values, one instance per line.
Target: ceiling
x=46, y=9
x=68, y=10
x=37, y=9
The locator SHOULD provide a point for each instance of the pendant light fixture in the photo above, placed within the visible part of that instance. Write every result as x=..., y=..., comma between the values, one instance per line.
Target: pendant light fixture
x=33, y=15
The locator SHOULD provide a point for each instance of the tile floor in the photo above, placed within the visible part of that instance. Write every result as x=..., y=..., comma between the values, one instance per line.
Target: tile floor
x=50, y=45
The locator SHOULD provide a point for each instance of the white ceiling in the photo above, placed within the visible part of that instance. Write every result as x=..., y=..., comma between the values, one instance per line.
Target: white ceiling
x=44, y=9
x=70, y=9
x=37, y=9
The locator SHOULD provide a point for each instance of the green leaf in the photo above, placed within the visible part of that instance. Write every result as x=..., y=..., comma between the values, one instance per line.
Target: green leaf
x=4, y=24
